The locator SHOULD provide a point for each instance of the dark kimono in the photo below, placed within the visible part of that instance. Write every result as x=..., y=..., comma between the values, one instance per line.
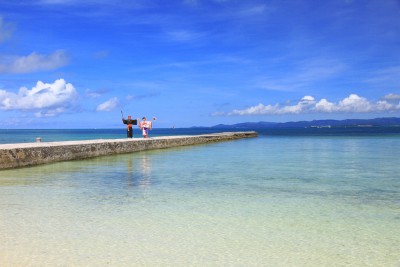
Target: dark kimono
x=129, y=123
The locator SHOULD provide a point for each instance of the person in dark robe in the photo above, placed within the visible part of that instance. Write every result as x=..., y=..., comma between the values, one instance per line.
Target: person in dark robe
x=129, y=122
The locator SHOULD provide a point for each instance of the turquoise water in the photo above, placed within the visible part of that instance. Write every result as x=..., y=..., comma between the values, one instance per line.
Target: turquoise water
x=275, y=200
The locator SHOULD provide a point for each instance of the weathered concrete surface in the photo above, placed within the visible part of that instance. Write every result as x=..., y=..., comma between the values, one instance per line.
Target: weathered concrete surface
x=29, y=154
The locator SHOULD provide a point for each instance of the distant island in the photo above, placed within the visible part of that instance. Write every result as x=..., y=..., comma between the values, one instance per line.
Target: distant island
x=377, y=122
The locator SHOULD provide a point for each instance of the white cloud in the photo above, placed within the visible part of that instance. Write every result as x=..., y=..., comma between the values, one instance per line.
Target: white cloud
x=256, y=110
x=391, y=97
x=108, y=105
x=355, y=103
x=351, y=104
x=33, y=62
x=303, y=105
x=47, y=99
x=325, y=106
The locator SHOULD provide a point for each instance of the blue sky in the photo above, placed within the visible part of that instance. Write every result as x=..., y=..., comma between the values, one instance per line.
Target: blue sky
x=77, y=64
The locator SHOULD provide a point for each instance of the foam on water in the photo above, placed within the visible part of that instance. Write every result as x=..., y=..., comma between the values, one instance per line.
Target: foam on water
x=280, y=201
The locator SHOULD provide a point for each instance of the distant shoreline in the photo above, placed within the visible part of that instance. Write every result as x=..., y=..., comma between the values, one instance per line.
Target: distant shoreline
x=377, y=122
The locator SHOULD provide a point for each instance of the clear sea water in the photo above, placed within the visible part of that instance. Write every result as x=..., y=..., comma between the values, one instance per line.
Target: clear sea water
x=294, y=197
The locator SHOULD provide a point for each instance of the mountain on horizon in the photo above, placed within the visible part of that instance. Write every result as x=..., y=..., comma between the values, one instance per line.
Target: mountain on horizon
x=377, y=122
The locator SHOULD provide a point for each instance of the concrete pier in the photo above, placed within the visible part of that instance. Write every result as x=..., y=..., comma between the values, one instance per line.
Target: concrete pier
x=30, y=154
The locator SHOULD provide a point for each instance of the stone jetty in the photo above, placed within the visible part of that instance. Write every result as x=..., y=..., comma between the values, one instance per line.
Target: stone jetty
x=30, y=154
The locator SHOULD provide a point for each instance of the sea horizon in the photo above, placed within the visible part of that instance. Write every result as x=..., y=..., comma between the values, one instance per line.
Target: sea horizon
x=10, y=136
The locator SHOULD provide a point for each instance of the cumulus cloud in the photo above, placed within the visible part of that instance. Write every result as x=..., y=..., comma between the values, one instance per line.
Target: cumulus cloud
x=351, y=104
x=301, y=106
x=108, y=105
x=47, y=99
x=33, y=62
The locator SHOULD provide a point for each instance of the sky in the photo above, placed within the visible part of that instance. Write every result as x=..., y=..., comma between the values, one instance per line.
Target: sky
x=78, y=64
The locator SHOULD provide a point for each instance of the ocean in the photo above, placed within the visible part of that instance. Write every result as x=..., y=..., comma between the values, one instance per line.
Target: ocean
x=290, y=197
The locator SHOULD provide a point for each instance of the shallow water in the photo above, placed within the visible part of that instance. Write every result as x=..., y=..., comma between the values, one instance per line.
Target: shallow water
x=266, y=201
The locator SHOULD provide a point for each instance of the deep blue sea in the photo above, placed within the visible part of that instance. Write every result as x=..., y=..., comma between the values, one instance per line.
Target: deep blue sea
x=50, y=135
x=290, y=197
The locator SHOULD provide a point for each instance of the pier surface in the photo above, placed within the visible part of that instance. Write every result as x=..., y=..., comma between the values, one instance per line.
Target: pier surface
x=30, y=154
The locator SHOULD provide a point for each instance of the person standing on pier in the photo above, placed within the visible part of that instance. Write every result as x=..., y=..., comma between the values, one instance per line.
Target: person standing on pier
x=145, y=126
x=129, y=122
